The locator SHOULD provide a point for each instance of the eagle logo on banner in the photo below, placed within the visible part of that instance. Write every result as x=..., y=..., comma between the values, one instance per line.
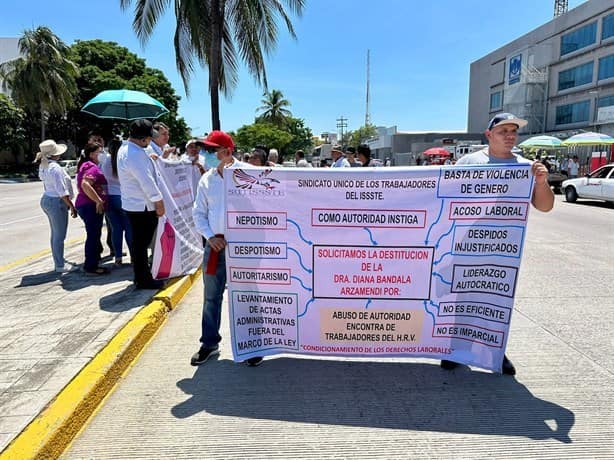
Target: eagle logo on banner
x=244, y=180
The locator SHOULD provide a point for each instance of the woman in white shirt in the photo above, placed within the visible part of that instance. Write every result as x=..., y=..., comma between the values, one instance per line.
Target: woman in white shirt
x=57, y=198
x=117, y=216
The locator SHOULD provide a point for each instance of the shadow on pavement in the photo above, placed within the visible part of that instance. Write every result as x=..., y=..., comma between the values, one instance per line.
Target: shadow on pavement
x=408, y=396
x=38, y=279
x=591, y=203
x=124, y=300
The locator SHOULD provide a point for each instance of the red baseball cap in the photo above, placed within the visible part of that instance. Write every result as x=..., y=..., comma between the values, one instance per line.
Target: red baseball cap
x=219, y=139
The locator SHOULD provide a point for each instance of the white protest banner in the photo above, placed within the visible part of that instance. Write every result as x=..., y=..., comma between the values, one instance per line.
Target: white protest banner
x=178, y=247
x=415, y=262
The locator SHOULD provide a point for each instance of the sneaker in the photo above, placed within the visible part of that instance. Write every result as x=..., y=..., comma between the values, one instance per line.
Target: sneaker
x=255, y=361
x=203, y=354
x=448, y=365
x=62, y=270
x=507, y=367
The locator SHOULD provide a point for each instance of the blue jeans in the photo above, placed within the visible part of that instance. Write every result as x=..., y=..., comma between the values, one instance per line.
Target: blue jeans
x=120, y=225
x=57, y=213
x=93, y=229
x=212, y=305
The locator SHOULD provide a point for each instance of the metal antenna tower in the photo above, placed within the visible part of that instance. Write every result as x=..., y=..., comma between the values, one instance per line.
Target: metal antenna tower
x=367, y=114
x=342, y=123
x=560, y=7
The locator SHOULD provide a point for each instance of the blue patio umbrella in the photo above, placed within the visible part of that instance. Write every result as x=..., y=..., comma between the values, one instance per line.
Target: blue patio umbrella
x=589, y=139
x=542, y=141
x=124, y=104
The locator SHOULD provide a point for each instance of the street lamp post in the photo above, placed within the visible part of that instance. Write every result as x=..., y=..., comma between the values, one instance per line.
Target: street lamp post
x=595, y=92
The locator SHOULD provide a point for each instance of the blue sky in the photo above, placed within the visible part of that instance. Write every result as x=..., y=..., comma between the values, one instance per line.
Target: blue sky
x=420, y=56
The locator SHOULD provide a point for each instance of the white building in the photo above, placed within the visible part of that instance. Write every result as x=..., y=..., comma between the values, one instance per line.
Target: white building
x=405, y=147
x=559, y=76
x=9, y=50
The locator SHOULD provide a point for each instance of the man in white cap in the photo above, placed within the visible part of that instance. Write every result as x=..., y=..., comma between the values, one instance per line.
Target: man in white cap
x=502, y=135
x=192, y=154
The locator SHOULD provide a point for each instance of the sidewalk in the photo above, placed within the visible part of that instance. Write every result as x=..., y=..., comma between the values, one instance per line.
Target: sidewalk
x=54, y=324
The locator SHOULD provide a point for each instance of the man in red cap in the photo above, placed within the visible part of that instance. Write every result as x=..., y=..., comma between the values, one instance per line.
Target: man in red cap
x=209, y=214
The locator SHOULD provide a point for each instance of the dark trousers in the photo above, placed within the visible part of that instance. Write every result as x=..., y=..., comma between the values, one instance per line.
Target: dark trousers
x=144, y=224
x=93, y=230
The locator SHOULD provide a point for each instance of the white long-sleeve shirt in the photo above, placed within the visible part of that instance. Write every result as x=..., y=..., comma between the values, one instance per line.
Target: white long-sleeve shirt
x=137, y=178
x=341, y=162
x=209, y=210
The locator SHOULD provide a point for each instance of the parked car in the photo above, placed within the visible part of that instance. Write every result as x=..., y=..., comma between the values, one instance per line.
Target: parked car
x=555, y=180
x=70, y=166
x=598, y=185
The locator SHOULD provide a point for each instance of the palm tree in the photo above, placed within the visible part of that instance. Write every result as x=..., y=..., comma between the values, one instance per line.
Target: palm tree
x=43, y=79
x=218, y=33
x=274, y=107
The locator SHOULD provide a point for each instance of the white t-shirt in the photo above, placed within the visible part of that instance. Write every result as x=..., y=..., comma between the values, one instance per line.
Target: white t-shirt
x=482, y=157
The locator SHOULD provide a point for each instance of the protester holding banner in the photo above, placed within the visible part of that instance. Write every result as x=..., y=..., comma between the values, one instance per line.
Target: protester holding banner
x=502, y=135
x=209, y=215
x=141, y=198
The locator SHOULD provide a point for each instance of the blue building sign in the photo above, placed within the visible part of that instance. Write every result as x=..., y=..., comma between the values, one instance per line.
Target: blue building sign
x=515, y=69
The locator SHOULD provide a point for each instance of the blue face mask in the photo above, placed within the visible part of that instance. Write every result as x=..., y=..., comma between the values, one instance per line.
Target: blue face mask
x=211, y=160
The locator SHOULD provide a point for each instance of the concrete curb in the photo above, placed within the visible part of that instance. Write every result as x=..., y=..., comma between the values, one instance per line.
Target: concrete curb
x=48, y=435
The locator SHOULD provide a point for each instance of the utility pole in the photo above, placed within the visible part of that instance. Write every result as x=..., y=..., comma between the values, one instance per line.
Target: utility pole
x=367, y=114
x=342, y=123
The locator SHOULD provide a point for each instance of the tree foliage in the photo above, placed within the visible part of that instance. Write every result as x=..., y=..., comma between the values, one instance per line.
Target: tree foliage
x=289, y=138
x=42, y=79
x=249, y=136
x=273, y=109
x=360, y=135
x=12, y=120
x=218, y=34
x=302, y=137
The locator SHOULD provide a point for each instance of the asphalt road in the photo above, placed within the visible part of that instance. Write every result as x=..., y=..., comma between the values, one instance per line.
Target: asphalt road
x=24, y=228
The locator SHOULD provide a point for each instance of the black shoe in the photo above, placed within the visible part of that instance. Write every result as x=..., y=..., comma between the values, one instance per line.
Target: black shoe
x=255, y=361
x=448, y=365
x=507, y=367
x=97, y=271
x=153, y=284
x=204, y=354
